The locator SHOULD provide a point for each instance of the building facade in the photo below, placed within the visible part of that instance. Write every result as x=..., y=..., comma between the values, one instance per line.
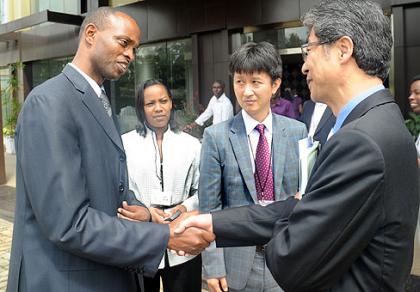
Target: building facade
x=186, y=43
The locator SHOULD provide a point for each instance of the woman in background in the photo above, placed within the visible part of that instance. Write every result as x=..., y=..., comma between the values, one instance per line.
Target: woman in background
x=414, y=100
x=163, y=173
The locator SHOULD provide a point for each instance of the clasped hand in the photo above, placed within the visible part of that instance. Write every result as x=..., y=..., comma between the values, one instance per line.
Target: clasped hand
x=190, y=233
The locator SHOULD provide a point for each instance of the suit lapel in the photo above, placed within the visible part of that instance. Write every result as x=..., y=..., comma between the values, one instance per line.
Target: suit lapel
x=378, y=98
x=91, y=101
x=239, y=141
x=279, y=155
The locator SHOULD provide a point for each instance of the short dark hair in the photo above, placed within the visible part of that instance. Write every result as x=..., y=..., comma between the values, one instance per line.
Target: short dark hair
x=415, y=78
x=256, y=57
x=99, y=17
x=361, y=20
x=141, y=116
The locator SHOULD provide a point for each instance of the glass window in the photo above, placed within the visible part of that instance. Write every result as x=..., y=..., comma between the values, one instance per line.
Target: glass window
x=1, y=11
x=45, y=69
x=114, y=3
x=282, y=38
x=65, y=6
x=5, y=75
x=170, y=62
x=288, y=42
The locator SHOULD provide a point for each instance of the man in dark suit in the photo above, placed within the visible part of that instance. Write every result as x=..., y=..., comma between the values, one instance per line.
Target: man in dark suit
x=72, y=177
x=318, y=119
x=354, y=228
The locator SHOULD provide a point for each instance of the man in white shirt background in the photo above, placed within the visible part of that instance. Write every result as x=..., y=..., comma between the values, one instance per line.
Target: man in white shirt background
x=318, y=119
x=219, y=107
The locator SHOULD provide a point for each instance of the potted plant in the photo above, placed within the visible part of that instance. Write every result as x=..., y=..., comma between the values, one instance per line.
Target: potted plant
x=413, y=124
x=12, y=108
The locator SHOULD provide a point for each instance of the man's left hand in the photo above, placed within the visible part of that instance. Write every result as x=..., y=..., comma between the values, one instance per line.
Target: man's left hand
x=133, y=213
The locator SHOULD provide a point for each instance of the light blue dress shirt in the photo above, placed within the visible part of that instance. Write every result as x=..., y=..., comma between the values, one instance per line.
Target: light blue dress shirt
x=346, y=110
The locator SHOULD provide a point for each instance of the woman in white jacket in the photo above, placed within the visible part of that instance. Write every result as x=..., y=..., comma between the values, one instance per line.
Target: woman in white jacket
x=163, y=173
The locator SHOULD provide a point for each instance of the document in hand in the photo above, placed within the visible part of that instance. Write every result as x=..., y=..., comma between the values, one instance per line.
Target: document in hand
x=308, y=150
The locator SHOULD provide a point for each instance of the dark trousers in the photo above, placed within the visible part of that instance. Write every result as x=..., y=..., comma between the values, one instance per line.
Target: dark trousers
x=185, y=277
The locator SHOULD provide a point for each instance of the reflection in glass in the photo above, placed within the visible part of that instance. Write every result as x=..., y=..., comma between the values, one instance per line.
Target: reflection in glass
x=282, y=38
x=45, y=69
x=170, y=62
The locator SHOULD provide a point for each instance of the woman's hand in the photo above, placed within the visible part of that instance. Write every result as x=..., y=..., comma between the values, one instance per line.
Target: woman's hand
x=179, y=207
x=133, y=212
x=158, y=215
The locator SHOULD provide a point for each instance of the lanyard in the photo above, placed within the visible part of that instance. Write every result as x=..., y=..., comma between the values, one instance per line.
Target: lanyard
x=161, y=162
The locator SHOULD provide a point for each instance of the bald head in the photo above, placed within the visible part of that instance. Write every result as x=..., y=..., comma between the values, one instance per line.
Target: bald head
x=101, y=18
x=107, y=42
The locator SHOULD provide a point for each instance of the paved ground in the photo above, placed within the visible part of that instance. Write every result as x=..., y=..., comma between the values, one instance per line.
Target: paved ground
x=7, y=205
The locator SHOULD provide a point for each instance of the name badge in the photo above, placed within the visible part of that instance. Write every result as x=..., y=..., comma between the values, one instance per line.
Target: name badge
x=161, y=198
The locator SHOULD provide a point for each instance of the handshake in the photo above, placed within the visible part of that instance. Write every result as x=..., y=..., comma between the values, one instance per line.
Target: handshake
x=190, y=232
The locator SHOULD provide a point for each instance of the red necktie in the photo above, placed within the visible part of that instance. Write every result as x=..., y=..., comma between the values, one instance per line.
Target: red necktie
x=263, y=174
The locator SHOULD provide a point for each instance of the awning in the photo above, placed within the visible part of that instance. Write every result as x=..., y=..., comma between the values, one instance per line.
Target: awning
x=8, y=31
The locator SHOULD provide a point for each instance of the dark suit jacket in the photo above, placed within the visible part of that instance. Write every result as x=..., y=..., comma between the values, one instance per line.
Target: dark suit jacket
x=354, y=229
x=71, y=177
x=325, y=124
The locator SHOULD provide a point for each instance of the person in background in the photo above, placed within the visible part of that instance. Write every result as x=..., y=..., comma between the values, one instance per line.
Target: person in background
x=284, y=106
x=163, y=173
x=414, y=100
x=220, y=107
x=297, y=102
x=250, y=159
x=354, y=228
x=71, y=176
x=318, y=119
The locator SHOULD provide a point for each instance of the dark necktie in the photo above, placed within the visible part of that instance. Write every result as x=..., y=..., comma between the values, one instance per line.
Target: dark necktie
x=105, y=102
x=263, y=174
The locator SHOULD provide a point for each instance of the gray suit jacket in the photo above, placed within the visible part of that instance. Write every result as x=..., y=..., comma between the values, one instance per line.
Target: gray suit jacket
x=71, y=177
x=354, y=228
x=227, y=180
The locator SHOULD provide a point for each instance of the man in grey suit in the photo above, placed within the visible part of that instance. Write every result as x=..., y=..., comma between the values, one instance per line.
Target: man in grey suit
x=354, y=228
x=229, y=173
x=72, y=177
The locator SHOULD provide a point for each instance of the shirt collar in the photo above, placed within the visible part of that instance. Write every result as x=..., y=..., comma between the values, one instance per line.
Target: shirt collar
x=95, y=86
x=251, y=123
x=346, y=110
x=220, y=99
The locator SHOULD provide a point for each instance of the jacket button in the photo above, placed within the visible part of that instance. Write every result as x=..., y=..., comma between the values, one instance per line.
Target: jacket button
x=121, y=188
x=122, y=158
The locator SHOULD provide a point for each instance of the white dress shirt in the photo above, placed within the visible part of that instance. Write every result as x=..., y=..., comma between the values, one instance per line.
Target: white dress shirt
x=181, y=157
x=254, y=136
x=95, y=86
x=319, y=110
x=220, y=108
x=418, y=147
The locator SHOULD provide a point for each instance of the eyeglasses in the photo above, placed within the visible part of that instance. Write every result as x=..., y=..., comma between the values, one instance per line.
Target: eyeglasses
x=304, y=47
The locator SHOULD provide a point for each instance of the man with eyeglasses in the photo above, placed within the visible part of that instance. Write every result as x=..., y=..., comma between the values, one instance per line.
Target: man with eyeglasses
x=354, y=228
